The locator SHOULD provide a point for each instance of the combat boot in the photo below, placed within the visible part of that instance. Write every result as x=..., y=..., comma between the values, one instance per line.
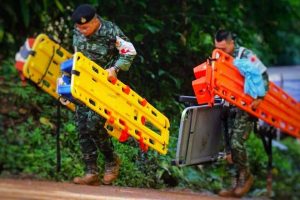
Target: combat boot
x=244, y=184
x=230, y=191
x=91, y=176
x=111, y=172
x=88, y=179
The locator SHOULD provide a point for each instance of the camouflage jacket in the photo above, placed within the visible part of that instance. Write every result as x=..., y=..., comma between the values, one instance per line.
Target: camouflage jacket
x=101, y=46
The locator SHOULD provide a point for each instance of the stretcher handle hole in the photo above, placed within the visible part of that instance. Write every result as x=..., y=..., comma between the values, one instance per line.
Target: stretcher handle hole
x=243, y=103
x=92, y=102
x=95, y=69
x=137, y=132
x=46, y=83
x=282, y=124
x=154, y=113
x=50, y=73
x=122, y=122
x=151, y=141
x=110, y=128
x=264, y=115
x=291, y=128
x=284, y=96
x=59, y=52
x=202, y=91
x=107, y=112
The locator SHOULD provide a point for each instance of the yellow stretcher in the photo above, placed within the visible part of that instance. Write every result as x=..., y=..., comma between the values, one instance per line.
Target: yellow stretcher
x=126, y=112
x=43, y=65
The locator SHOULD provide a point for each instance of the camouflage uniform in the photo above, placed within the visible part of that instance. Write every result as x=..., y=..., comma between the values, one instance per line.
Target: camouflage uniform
x=101, y=48
x=240, y=124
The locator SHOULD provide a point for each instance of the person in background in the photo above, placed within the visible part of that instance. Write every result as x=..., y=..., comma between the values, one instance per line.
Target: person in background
x=239, y=123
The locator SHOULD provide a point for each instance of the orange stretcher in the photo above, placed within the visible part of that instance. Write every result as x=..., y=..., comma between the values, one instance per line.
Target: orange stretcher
x=218, y=76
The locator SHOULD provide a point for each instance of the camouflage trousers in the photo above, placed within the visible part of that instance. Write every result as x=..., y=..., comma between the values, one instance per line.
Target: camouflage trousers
x=239, y=126
x=92, y=137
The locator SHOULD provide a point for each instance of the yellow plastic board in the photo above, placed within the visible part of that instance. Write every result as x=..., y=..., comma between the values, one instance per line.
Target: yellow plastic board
x=43, y=64
x=126, y=112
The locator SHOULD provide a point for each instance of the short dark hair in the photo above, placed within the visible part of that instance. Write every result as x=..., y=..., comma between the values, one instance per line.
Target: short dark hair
x=224, y=35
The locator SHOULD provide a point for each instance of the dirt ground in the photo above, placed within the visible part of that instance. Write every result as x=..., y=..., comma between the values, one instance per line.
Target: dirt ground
x=13, y=189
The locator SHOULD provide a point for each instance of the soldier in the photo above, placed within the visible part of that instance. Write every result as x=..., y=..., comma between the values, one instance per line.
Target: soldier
x=239, y=124
x=104, y=43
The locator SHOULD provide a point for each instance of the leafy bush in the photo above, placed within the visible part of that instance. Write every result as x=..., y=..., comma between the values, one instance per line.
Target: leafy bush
x=170, y=40
x=28, y=148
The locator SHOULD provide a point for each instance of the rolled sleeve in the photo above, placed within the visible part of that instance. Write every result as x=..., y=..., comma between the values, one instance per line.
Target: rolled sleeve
x=126, y=50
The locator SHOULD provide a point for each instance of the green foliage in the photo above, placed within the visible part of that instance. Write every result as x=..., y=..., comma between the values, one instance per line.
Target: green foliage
x=286, y=167
x=170, y=38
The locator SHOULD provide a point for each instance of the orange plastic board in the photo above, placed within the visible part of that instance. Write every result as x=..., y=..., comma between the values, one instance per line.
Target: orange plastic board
x=218, y=76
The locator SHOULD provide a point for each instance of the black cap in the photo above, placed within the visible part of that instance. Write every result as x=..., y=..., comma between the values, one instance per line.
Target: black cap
x=83, y=14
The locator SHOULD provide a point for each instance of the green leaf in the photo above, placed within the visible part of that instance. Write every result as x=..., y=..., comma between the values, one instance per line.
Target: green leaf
x=139, y=37
x=151, y=28
x=25, y=12
x=10, y=38
x=1, y=33
x=59, y=5
x=46, y=122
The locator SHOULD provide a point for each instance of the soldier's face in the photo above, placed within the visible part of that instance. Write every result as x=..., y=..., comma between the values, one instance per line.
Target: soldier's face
x=88, y=28
x=225, y=45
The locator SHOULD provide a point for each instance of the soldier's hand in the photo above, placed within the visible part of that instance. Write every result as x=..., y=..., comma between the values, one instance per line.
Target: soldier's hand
x=255, y=103
x=112, y=72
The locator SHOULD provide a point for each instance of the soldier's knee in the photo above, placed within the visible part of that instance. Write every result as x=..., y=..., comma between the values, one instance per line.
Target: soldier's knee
x=237, y=146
